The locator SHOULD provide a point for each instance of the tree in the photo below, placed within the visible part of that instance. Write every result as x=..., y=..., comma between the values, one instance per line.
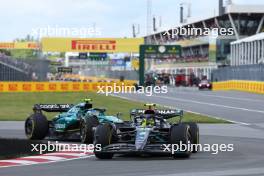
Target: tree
x=24, y=53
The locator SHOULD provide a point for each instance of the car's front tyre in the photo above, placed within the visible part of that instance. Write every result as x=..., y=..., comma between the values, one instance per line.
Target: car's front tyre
x=103, y=137
x=195, y=135
x=36, y=126
x=180, y=135
x=86, y=129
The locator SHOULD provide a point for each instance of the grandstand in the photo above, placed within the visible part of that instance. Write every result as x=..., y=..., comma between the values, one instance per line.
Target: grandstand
x=13, y=70
x=247, y=58
x=101, y=65
x=202, y=54
x=248, y=51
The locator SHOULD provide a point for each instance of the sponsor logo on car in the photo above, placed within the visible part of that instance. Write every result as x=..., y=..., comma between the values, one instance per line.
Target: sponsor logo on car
x=60, y=125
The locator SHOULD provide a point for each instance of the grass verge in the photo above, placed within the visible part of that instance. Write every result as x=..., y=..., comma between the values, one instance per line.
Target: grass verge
x=18, y=106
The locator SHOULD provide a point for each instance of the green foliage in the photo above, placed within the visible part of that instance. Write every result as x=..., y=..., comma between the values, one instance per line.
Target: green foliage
x=23, y=54
x=6, y=52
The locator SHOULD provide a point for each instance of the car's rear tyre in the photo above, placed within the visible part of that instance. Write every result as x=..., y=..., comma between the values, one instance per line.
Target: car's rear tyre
x=180, y=134
x=86, y=129
x=36, y=126
x=103, y=137
x=195, y=135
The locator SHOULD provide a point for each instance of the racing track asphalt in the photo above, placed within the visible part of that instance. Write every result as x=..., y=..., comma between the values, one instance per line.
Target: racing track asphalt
x=246, y=159
x=242, y=107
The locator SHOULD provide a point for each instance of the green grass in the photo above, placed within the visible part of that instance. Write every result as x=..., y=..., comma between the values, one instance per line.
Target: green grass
x=17, y=106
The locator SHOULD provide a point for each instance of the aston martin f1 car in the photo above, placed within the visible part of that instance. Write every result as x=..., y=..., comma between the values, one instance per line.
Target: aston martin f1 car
x=72, y=121
x=148, y=133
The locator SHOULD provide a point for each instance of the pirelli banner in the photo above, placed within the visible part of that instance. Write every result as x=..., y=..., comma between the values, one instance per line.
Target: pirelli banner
x=57, y=86
x=241, y=85
x=19, y=45
x=105, y=45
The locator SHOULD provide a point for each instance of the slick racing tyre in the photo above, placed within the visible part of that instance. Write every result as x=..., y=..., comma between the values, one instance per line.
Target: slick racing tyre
x=180, y=134
x=103, y=137
x=86, y=129
x=36, y=126
x=195, y=135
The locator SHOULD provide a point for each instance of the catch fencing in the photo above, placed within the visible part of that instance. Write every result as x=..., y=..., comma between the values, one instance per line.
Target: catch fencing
x=243, y=72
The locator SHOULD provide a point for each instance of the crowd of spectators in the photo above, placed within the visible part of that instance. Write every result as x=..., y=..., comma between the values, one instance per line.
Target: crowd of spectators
x=67, y=77
x=20, y=64
x=153, y=79
x=183, y=59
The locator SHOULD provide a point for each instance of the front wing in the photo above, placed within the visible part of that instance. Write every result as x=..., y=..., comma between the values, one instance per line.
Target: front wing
x=124, y=148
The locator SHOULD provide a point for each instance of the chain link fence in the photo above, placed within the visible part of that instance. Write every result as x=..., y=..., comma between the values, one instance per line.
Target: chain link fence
x=243, y=72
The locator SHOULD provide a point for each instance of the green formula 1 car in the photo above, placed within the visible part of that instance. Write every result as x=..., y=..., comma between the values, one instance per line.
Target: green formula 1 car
x=72, y=121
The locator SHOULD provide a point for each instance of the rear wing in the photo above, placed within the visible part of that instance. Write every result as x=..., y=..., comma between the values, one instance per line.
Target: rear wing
x=52, y=107
x=165, y=113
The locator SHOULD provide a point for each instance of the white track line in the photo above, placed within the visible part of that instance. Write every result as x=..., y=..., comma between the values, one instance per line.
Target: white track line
x=67, y=154
x=210, y=104
x=220, y=118
x=52, y=158
x=241, y=172
x=219, y=96
x=19, y=161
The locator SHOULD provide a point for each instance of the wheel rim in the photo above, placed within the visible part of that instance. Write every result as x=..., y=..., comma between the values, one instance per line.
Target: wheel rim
x=197, y=137
x=189, y=140
x=83, y=132
x=29, y=127
x=189, y=137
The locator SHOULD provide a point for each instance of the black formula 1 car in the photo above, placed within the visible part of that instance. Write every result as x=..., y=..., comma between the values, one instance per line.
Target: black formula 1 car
x=147, y=133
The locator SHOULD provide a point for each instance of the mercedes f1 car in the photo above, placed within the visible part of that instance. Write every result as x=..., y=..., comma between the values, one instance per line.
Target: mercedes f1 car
x=72, y=120
x=148, y=133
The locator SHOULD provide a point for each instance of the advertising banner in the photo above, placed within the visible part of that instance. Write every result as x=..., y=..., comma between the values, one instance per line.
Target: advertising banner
x=54, y=86
x=100, y=45
x=64, y=69
x=19, y=45
x=241, y=85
